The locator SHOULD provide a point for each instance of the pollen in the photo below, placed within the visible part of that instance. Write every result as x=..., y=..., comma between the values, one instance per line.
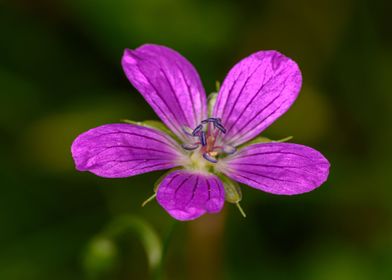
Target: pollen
x=213, y=154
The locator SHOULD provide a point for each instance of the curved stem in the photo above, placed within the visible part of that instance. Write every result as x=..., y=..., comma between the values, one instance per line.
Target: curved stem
x=159, y=272
x=147, y=235
x=103, y=247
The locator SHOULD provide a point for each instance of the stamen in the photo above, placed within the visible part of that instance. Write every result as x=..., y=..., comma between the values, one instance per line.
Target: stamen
x=190, y=146
x=197, y=130
x=187, y=130
x=213, y=120
x=228, y=149
x=203, y=138
x=207, y=133
x=213, y=154
x=220, y=127
x=208, y=157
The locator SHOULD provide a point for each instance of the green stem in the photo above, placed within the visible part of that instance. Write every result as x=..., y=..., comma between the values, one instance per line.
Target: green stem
x=128, y=224
x=102, y=250
x=158, y=274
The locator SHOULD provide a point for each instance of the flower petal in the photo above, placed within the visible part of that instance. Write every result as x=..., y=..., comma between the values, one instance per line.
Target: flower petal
x=257, y=91
x=278, y=168
x=187, y=195
x=169, y=83
x=123, y=150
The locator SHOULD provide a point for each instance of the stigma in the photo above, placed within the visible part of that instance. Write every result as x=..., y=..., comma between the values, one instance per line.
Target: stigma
x=204, y=139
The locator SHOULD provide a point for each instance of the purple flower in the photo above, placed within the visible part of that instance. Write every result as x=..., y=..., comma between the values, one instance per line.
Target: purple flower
x=208, y=138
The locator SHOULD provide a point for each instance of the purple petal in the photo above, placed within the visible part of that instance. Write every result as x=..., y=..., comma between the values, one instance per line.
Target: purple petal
x=187, y=195
x=169, y=83
x=257, y=91
x=123, y=150
x=278, y=168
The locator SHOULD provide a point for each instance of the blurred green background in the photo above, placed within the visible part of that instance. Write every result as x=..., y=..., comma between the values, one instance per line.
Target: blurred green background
x=60, y=75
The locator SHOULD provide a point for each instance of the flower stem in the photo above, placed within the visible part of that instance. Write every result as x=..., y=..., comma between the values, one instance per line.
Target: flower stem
x=103, y=247
x=158, y=273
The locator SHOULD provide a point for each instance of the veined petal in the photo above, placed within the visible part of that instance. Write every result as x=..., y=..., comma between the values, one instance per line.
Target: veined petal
x=278, y=168
x=187, y=195
x=169, y=83
x=123, y=150
x=257, y=91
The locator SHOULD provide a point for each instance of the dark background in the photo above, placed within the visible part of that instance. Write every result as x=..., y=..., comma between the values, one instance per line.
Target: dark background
x=60, y=75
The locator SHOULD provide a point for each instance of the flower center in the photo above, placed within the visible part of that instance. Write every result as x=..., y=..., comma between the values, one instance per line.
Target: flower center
x=205, y=137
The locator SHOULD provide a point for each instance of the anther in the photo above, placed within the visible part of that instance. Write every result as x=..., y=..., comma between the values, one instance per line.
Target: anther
x=208, y=157
x=229, y=149
x=203, y=139
x=206, y=133
x=187, y=130
x=220, y=127
x=197, y=130
x=190, y=146
x=213, y=120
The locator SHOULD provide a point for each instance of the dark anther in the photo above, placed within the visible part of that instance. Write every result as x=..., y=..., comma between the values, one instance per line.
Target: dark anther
x=213, y=120
x=190, y=146
x=203, y=138
x=228, y=149
x=220, y=127
x=188, y=131
x=210, y=158
x=197, y=130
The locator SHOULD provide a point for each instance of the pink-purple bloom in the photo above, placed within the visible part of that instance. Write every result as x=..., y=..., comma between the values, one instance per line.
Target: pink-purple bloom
x=208, y=144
